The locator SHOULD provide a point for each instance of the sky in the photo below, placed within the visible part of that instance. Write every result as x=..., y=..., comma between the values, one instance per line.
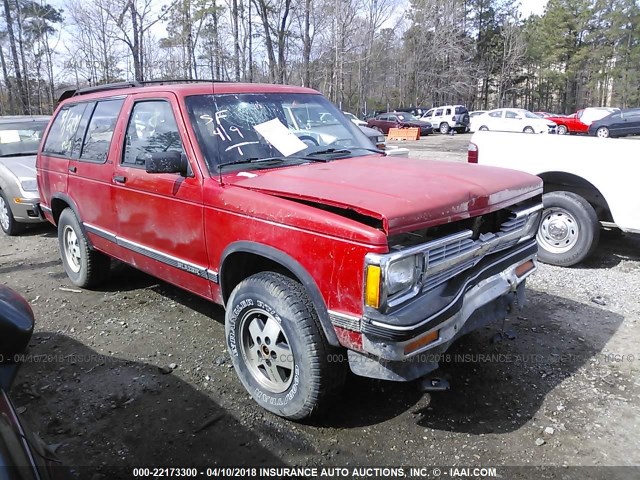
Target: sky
x=529, y=7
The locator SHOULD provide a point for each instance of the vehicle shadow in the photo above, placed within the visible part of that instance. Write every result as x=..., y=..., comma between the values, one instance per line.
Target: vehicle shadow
x=614, y=247
x=44, y=229
x=108, y=414
x=499, y=387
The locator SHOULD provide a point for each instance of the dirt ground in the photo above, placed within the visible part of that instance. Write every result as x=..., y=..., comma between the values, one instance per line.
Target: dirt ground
x=559, y=388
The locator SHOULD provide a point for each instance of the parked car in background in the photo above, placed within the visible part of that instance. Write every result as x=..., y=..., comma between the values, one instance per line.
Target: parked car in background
x=512, y=120
x=475, y=113
x=544, y=114
x=386, y=121
x=354, y=119
x=618, y=124
x=380, y=141
x=580, y=121
x=448, y=117
x=588, y=183
x=23, y=455
x=415, y=111
x=19, y=141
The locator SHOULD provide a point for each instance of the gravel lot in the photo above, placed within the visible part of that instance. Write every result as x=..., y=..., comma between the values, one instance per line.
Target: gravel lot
x=559, y=388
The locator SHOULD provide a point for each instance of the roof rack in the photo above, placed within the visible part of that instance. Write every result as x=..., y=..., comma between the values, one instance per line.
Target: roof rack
x=134, y=83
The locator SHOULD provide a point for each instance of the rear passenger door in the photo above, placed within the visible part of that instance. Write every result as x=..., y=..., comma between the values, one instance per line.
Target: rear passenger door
x=91, y=170
x=160, y=215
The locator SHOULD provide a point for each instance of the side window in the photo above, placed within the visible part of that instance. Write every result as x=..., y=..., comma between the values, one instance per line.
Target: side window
x=62, y=133
x=383, y=118
x=439, y=112
x=510, y=114
x=98, y=136
x=152, y=128
x=496, y=114
x=429, y=114
x=392, y=118
x=448, y=111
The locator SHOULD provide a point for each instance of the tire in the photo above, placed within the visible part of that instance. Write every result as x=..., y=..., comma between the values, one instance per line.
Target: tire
x=7, y=222
x=569, y=231
x=444, y=128
x=602, y=132
x=85, y=268
x=528, y=130
x=562, y=130
x=297, y=377
x=484, y=128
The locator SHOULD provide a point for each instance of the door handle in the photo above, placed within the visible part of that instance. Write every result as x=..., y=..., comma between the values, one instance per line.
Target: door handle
x=73, y=169
x=120, y=179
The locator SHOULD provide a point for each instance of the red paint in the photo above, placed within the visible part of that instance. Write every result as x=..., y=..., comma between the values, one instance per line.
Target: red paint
x=572, y=122
x=349, y=339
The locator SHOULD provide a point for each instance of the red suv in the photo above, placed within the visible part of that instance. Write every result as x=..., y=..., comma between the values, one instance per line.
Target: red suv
x=323, y=250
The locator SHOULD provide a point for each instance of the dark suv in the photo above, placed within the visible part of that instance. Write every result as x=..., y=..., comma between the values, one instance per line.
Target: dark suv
x=322, y=250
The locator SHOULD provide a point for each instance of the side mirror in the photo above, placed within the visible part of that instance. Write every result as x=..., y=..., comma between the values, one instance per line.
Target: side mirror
x=166, y=162
x=16, y=328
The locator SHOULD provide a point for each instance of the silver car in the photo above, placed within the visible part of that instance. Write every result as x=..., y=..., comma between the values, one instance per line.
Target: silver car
x=19, y=140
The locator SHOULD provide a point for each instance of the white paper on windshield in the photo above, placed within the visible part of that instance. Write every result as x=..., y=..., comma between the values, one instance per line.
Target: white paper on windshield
x=280, y=137
x=9, y=136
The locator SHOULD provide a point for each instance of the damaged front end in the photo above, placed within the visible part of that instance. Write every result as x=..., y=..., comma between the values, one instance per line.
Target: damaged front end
x=423, y=295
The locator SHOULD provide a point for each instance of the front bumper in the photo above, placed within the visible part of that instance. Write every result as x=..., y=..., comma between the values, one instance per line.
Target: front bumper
x=25, y=209
x=486, y=294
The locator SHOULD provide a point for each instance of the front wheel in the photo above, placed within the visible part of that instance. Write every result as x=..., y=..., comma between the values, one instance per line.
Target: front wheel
x=602, y=132
x=7, y=222
x=85, y=267
x=484, y=128
x=569, y=230
x=277, y=346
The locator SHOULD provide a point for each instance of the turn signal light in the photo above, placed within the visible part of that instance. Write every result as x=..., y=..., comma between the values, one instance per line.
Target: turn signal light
x=421, y=342
x=372, y=289
x=524, y=268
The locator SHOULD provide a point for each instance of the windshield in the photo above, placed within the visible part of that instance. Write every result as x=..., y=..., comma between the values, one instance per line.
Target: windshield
x=406, y=117
x=528, y=114
x=244, y=128
x=20, y=138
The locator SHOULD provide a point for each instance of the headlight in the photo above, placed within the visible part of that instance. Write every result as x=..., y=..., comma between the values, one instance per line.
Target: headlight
x=30, y=185
x=402, y=275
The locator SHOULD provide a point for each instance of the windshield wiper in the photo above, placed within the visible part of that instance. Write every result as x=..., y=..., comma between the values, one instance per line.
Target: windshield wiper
x=257, y=160
x=343, y=150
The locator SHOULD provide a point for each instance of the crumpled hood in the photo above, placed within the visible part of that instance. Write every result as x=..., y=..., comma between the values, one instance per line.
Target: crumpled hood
x=21, y=167
x=405, y=194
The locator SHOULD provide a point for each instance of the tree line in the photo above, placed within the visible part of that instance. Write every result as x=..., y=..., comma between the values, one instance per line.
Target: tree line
x=363, y=55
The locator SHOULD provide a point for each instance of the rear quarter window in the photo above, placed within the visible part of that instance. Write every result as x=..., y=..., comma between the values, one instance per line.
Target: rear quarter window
x=63, y=130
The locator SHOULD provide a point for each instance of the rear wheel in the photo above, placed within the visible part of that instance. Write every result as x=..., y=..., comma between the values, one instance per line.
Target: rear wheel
x=444, y=128
x=7, y=222
x=562, y=130
x=569, y=230
x=484, y=128
x=528, y=130
x=278, y=348
x=85, y=267
x=602, y=132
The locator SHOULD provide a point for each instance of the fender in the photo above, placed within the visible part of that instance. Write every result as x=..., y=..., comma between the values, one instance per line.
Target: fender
x=298, y=270
x=65, y=198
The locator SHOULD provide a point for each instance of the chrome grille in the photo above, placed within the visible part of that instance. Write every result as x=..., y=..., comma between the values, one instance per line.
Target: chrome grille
x=449, y=250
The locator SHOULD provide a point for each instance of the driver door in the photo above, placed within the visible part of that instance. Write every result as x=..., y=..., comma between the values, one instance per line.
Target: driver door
x=160, y=215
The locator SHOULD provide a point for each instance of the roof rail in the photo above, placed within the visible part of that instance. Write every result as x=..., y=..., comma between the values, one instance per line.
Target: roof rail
x=130, y=84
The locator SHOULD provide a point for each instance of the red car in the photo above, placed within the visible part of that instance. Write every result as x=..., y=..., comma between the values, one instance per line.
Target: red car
x=324, y=252
x=385, y=121
x=579, y=122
